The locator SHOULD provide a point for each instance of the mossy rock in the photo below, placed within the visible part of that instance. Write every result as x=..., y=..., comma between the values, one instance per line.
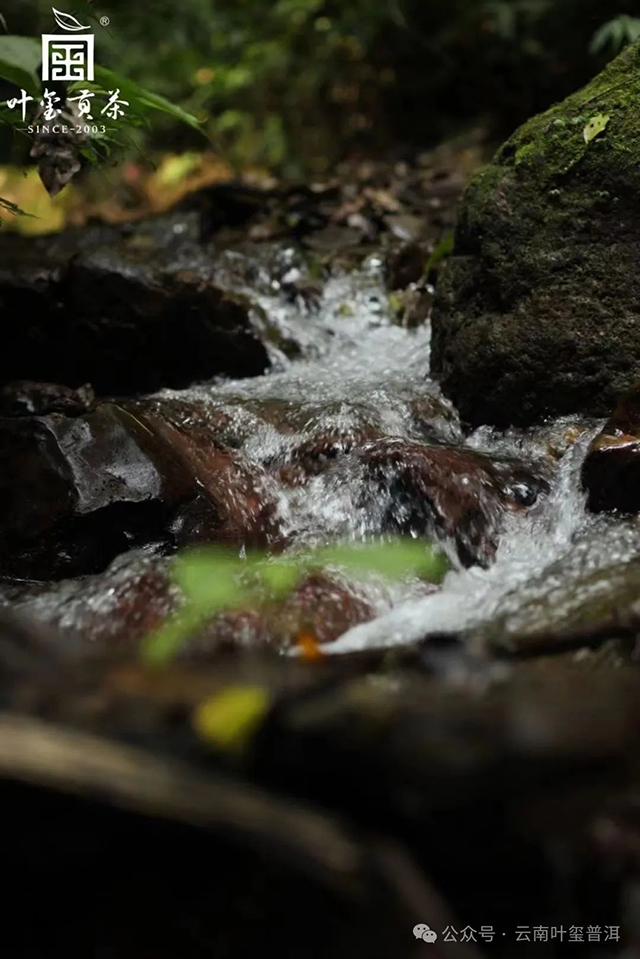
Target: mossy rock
x=538, y=310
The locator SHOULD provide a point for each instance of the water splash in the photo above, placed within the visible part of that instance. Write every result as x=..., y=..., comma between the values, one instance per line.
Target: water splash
x=358, y=372
x=530, y=543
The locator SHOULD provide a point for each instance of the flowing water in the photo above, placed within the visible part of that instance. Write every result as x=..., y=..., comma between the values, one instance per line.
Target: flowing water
x=359, y=373
x=356, y=386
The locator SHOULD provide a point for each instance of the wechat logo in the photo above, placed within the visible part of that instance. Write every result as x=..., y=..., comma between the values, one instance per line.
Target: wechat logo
x=422, y=931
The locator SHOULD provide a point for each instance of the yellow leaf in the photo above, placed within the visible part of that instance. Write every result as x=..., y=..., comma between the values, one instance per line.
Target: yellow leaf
x=595, y=127
x=228, y=719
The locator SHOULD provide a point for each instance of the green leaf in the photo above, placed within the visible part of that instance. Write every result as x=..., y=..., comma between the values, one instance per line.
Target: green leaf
x=214, y=579
x=442, y=249
x=616, y=34
x=160, y=647
x=142, y=100
x=596, y=126
x=209, y=579
x=395, y=558
x=13, y=208
x=228, y=719
x=280, y=577
x=20, y=59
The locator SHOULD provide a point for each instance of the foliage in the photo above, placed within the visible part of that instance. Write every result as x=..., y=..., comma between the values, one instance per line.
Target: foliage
x=19, y=63
x=614, y=35
x=12, y=207
x=251, y=70
x=141, y=101
x=293, y=84
x=215, y=579
x=442, y=250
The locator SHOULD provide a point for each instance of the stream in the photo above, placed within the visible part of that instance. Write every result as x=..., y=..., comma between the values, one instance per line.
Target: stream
x=361, y=371
x=466, y=748
x=334, y=438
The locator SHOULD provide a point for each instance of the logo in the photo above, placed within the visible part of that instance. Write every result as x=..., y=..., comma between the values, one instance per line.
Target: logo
x=424, y=932
x=68, y=58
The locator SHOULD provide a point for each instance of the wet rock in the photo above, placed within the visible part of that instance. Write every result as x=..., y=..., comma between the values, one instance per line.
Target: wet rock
x=447, y=491
x=123, y=316
x=244, y=510
x=434, y=418
x=413, y=306
x=334, y=238
x=585, y=598
x=26, y=398
x=320, y=608
x=611, y=470
x=312, y=456
x=537, y=310
x=405, y=265
x=75, y=492
x=109, y=613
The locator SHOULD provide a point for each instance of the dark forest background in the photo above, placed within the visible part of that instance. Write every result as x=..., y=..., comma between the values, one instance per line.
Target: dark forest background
x=294, y=86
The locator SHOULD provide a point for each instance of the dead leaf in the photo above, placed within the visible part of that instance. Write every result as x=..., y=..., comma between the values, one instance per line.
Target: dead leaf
x=228, y=719
x=596, y=126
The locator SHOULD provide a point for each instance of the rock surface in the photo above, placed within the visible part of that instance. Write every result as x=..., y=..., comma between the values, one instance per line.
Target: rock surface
x=77, y=491
x=457, y=493
x=125, y=313
x=109, y=614
x=537, y=312
x=583, y=600
x=611, y=470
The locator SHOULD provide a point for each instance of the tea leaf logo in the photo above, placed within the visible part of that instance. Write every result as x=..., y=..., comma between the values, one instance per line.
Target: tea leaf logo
x=66, y=22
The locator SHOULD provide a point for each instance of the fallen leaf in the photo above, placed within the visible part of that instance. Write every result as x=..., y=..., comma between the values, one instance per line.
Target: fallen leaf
x=228, y=719
x=596, y=126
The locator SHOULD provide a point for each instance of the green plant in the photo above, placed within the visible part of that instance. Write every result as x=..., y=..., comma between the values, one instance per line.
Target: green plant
x=441, y=251
x=12, y=208
x=612, y=36
x=19, y=61
x=214, y=579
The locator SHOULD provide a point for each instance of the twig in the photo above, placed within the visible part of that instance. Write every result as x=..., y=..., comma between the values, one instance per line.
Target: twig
x=130, y=777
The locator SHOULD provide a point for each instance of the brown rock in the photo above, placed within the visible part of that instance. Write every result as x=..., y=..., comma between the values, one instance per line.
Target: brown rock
x=611, y=470
x=440, y=490
x=107, y=613
x=321, y=608
x=75, y=492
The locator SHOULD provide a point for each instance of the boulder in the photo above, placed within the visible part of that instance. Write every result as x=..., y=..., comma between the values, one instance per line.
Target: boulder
x=611, y=470
x=537, y=312
x=585, y=598
x=128, y=314
x=108, y=613
x=75, y=491
x=421, y=490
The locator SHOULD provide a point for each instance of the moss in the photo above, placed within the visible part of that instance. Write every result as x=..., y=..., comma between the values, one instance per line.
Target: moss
x=538, y=311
